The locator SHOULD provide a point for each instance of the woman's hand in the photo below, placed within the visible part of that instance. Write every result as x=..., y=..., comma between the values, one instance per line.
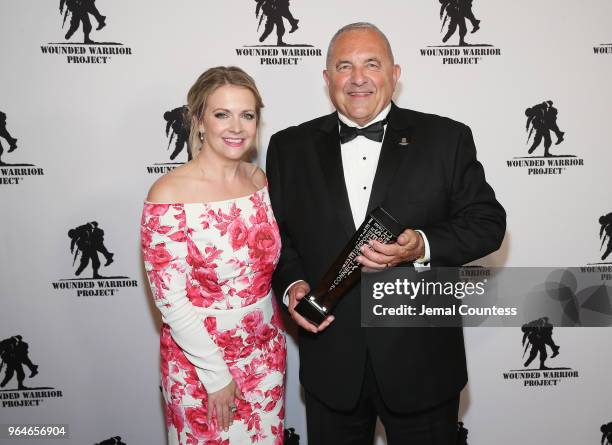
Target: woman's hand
x=222, y=403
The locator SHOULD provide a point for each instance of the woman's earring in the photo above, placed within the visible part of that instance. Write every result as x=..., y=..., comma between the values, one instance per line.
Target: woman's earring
x=201, y=136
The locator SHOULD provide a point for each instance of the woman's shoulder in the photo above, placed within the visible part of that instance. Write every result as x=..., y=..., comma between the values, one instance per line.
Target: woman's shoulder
x=258, y=177
x=168, y=188
x=182, y=185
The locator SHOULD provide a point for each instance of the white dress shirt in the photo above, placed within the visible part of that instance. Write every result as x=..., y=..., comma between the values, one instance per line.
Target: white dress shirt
x=359, y=162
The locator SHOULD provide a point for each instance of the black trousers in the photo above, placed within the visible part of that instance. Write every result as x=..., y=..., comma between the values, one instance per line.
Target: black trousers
x=434, y=426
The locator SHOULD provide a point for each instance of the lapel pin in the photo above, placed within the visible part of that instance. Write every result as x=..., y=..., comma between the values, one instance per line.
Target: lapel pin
x=403, y=142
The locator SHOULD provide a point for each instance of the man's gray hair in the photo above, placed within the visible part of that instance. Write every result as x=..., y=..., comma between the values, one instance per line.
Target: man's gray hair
x=354, y=27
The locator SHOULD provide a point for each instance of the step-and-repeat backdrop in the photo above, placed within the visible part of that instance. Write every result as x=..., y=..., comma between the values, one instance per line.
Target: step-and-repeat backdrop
x=91, y=95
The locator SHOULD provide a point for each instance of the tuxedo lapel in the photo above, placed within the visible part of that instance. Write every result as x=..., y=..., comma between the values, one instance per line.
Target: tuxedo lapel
x=327, y=144
x=397, y=141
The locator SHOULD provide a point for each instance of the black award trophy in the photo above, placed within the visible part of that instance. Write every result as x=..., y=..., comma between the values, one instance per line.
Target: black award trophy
x=341, y=276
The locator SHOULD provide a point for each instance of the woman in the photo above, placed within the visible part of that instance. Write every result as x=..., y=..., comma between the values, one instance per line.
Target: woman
x=210, y=244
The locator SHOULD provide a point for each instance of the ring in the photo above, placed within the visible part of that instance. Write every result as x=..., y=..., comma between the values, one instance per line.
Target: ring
x=233, y=408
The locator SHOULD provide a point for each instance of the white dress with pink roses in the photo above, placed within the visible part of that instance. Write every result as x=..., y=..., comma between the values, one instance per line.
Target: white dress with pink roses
x=210, y=266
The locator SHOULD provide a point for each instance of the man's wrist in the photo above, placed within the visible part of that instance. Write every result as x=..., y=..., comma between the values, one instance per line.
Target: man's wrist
x=286, y=294
x=423, y=259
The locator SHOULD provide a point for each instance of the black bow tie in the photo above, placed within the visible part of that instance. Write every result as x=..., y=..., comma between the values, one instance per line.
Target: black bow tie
x=373, y=132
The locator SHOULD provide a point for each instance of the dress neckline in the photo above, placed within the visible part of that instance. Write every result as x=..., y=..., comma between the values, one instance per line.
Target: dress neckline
x=207, y=202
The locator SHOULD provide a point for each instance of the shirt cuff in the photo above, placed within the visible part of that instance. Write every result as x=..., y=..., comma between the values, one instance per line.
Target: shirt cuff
x=214, y=381
x=286, y=294
x=424, y=260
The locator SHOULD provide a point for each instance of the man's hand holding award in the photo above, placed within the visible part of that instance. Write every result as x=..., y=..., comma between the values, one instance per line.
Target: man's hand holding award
x=312, y=310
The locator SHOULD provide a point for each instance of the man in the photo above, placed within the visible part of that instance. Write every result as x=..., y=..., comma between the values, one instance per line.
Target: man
x=538, y=334
x=88, y=244
x=462, y=434
x=14, y=352
x=97, y=242
x=550, y=117
x=605, y=233
x=175, y=120
x=112, y=441
x=324, y=177
x=274, y=11
x=458, y=11
x=543, y=118
x=606, y=436
x=80, y=10
x=6, y=135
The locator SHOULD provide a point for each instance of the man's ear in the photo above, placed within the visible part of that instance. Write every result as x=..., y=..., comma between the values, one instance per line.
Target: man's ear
x=326, y=77
x=397, y=72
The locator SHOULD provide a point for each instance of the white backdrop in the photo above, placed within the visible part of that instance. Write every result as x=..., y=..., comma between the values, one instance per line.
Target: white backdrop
x=93, y=128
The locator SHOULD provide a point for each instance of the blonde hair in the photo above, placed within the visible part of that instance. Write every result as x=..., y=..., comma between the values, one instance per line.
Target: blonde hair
x=208, y=82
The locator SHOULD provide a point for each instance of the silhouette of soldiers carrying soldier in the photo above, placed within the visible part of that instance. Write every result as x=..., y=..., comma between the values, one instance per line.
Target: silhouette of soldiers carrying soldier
x=455, y=12
x=5, y=134
x=538, y=334
x=605, y=233
x=89, y=240
x=462, y=434
x=291, y=438
x=274, y=11
x=542, y=118
x=112, y=441
x=606, y=434
x=79, y=11
x=175, y=120
x=14, y=354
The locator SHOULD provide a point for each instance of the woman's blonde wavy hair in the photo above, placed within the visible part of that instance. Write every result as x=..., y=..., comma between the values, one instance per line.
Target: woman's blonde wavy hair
x=206, y=84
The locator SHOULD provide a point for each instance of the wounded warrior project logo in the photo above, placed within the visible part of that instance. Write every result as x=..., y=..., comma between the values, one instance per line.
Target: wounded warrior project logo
x=12, y=173
x=291, y=437
x=602, y=268
x=177, y=134
x=540, y=125
x=456, y=50
x=537, y=340
x=75, y=17
x=606, y=433
x=275, y=46
x=605, y=235
x=87, y=244
x=14, y=361
x=604, y=48
x=462, y=434
x=112, y=441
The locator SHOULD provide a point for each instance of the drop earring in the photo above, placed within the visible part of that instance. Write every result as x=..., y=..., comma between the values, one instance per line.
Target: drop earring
x=201, y=136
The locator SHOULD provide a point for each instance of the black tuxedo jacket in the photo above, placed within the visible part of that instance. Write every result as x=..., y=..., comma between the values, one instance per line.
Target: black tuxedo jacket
x=434, y=183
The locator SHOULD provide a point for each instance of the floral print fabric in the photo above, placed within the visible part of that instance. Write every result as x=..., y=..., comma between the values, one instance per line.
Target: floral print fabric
x=210, y=268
